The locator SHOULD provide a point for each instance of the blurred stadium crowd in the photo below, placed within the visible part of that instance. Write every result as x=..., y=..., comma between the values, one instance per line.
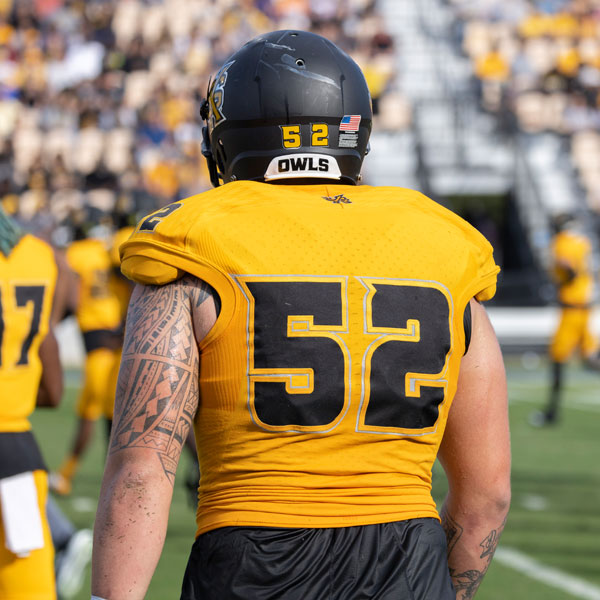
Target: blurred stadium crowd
x=540, y=62
x=99, y=99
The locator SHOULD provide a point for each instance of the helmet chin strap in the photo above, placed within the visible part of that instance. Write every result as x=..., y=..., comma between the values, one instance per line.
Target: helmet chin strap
x=213, y=171
x=206, y=150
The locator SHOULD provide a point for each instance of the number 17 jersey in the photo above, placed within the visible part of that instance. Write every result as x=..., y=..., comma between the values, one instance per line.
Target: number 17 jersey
x=326, y=381
x=27, y=281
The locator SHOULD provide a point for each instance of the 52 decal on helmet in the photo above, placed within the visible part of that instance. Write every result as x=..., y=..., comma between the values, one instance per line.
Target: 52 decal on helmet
x=216, y=96
x=291, y=136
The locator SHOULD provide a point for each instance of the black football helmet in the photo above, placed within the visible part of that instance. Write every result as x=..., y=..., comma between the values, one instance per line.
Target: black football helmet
x=288, y=104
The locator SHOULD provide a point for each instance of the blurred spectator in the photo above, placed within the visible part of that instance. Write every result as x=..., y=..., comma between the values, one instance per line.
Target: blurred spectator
x=546, y=56
x=492, y=70
x=579, y=116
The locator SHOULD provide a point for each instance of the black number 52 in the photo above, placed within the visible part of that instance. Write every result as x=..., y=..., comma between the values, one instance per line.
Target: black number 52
x=305, y=359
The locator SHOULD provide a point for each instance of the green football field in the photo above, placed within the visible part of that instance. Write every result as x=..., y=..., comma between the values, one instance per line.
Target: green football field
x=550, y=549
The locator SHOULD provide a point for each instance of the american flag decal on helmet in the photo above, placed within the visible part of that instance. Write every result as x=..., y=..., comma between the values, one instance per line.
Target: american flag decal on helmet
x=350, y=123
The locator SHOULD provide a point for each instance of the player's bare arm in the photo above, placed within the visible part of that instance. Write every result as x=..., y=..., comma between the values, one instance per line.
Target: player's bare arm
x=156, y=401
x=66, y=291
x=51, y=382
x=466, y=582
x=475, y=454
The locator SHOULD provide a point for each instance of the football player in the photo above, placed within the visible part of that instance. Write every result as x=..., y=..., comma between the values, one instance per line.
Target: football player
x=571, y=270
x=30, y=375
x=326, y=343
x=98, y=314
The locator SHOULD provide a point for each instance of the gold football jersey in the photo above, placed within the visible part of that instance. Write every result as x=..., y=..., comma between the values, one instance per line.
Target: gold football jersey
x=98, y=305
x=327, y=379
x=573, y=249
x=27, y=282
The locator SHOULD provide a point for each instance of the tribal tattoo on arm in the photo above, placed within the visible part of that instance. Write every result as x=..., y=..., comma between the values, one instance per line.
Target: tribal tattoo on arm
x=467, y=582
x=157, y=391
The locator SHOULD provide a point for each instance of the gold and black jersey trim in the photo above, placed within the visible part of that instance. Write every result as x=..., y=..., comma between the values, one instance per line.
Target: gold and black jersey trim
x=102, y=338
x=19, y=453
x=468, y=325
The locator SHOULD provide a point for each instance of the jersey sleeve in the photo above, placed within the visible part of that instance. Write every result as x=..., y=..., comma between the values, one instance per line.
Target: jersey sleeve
x=152, y=254
x=148, y=271
x=170, y=242
x=471, y=252
x=487, y=272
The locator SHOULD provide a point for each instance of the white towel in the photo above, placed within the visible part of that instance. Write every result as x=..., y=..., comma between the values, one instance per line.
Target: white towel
x=21, y=514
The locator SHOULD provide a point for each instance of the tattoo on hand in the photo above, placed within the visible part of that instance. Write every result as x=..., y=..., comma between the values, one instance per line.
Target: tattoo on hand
x=157, y=390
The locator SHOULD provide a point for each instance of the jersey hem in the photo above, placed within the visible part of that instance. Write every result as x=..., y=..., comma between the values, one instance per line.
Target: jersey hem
x=312, y=522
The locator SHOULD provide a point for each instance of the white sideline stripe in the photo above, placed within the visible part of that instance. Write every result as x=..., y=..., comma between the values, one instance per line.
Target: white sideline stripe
x=548, y=575
x=583, y=402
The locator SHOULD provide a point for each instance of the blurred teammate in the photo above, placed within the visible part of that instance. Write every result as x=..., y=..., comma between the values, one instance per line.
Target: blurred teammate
x=72, y=546
x=30, y=375
x=572, y=272
x=73, y=549
x=99, y=318
x=325, y=341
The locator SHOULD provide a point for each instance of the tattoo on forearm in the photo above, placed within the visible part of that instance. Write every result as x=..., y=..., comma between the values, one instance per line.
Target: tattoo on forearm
x=490, y=544
x=467, y=582
x=452, y=529
x=157, y=390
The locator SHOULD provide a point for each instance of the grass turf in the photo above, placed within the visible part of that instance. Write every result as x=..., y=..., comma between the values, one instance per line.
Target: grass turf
x=555, y=513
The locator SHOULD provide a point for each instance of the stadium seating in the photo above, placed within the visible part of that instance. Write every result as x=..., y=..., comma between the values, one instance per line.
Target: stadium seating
x=123, y=98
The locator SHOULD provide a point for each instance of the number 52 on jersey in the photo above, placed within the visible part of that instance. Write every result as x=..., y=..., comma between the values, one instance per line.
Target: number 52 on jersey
x=312, y=347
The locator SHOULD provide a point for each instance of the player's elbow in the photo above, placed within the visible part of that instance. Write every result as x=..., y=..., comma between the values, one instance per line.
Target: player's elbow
x=51, y=383
x=501, y=483
x=499, y=499
x=49, y=396
x=495, y=490
x=487, y=498
x=494, y=499
x=134, y=472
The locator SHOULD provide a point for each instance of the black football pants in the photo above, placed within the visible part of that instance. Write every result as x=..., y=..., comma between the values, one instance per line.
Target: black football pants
x=405, y=560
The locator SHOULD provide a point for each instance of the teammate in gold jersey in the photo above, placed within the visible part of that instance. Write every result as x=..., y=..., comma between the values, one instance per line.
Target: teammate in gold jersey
x=30, y=375
x=325, y=341
x=98, y=315
x=572, y=273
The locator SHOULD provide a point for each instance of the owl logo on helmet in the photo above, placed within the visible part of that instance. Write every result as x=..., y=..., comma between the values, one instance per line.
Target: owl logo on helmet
x=216, y=96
